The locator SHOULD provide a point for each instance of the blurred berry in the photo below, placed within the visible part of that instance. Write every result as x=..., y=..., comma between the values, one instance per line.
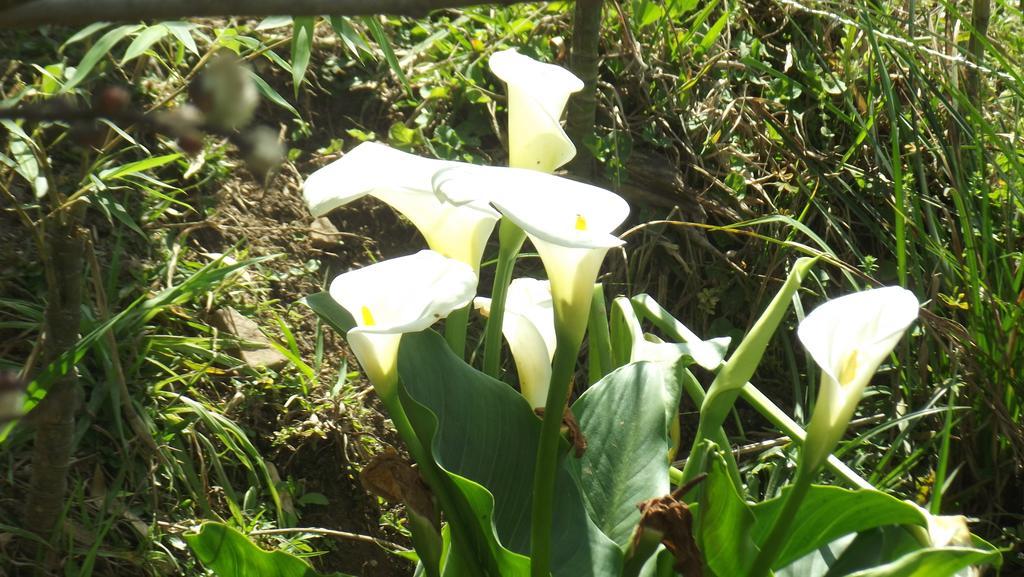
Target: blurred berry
x=111, y=100
x=226, y=93
x=88, y=133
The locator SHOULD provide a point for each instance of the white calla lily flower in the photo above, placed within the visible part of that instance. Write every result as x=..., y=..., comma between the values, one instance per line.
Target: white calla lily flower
x=708, y=354
x=404, y=181
x=946, y=531
x=529, y=328
x=397, y=296
x=537, y=94
x=569, y=222
x=848, y=338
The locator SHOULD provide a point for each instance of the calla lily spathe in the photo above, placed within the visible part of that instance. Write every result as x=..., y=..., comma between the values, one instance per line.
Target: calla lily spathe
x=848, y=338
x=569, y=222
x=946, y=530
x=403, y=181
x=537, y=94
x=397, y=296
x=529, y=328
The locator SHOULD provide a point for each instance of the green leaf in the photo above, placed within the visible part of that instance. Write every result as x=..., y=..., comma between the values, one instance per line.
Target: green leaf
x=713, y=33
x=484, y=435
x=401, y=136
x=144, y=41
x=229, y=553
x=84, y=33
x=354, y=41
x=271, y=22
x=102, y=47
x=625, y=418
x=332, y=313
x=137, y=166
x=679, y=7
x=932, y=562
x=724, y=522
x=24, y=161
x=302, y=45
x=183, y=32
x=852, y=553
x=651, y=13
x=389, y=53
x=828, y=513
x=272, y=95
x=116, y=209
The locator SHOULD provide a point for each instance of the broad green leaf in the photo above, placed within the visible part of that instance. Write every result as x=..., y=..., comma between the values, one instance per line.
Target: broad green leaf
x=332, y=313
x=932, y=562
x=96, y=53
x=651, y=13
x=828, y=513
x=144, y=41
x=625, y=418
x=229, y=553
x=724, y=522
x=680, y=7
x=302, y=45
x=852, y=553
x=484, y=435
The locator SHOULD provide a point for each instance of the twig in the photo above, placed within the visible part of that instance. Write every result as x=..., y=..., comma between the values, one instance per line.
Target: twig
x=138, y=426
x=785, y=440
x=332, y=533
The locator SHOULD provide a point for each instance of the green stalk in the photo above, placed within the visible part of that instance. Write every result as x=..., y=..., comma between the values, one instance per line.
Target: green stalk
x=935, y=507
x=566, y=349
x=455, y=330
x=510, y=240
x=697, y=395
x=734, y=374
x=780, y=527
x=600, y=345
x=712, y=415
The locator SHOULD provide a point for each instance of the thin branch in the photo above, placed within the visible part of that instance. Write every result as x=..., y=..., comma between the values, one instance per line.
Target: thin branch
x=30, y=13
x=332, y=533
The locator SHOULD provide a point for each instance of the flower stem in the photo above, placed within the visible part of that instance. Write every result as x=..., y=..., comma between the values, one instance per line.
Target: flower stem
x=780, y=526
x=713, y=411
x=455, y=330
x=566, y=350
x=510, y=240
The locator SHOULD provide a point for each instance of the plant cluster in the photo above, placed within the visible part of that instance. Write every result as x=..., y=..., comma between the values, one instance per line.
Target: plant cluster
x=596, y=475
